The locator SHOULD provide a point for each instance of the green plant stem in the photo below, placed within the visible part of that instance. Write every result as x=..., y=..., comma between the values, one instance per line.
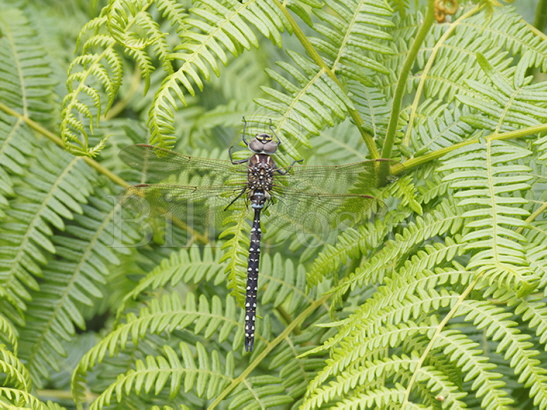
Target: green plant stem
x=92, y=163
x=403, y=77
x=541, y=15
x=533, y=217
x=415, y=162
x=312, y=52
x=438, y=331
x=270, y=346
x=51, y=136
x=133, y=88
x=427, y=68
x=63, y=395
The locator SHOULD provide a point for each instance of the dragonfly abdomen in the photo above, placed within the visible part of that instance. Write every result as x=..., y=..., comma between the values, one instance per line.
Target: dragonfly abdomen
x=252, y=281
x=260, y=180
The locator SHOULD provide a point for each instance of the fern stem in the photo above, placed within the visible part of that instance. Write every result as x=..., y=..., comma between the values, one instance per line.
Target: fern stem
x=415, y=162
x=427, y=68
x=48, y=134
x=312, y=52
x=64, y=395
x=93, y=164
x=133, y=88
x=438, y=331
x=403, y=77
x=533, y=217
x=269, y=347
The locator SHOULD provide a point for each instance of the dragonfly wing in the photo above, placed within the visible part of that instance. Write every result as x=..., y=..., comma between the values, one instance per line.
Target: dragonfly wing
x=358, y=177
x=160, y=163
x=194, y=205
x=320, y=212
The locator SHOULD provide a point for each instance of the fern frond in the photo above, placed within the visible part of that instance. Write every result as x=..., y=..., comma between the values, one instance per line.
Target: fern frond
x=166, y=314
x=454, y=66
x=455, y=61
x=26, y=79
x=286, y=284
x=508, y=105
x=16, y=374
x=437, y=132
x=392, y=303
x=350, y=244
x=189, y=266
x=373, y=107
x=507, y=28
x=405, y=191
x=449, y=371
x=355, y=32
x=444, y=219
x=207, y=380
x=532, y=310
x=9, y=396
x=537, y=255
x=214, y=28
x=296, y=372
x=46, y=197
x=482, y=174
x=542, y=146
x=96, y=67
x=260, y=391
x=124, y=23
x=458, y=348
x=135, y=29
x=474, y=366
x=17, y=147
x=237, y=254
x=361, y=378
x=305, y=101
x=434, y=188
x=352, y=34
x=70, y=284
x=382, y=397
x=512, y=343
x=8, y=333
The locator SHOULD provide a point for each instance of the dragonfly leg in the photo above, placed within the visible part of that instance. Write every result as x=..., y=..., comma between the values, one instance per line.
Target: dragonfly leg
x=244, y=129
x=273, y=132
x=290, y=167
x=241, y=161
x=236, y=198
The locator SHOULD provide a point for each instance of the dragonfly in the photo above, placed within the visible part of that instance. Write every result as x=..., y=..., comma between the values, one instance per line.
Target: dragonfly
x=313, y=198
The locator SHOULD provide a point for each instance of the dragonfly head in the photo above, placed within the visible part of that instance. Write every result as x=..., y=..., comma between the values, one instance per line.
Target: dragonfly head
x=263, y=144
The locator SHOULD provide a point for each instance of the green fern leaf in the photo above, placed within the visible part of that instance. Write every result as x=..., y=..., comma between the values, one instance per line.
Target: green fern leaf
x=70, y=284
x=46, y=197
x=26, y=79
x=168, y=314
x=219, y=26
x=513, y=344
x=15, y=372
x=153, y=375
x=475, y=174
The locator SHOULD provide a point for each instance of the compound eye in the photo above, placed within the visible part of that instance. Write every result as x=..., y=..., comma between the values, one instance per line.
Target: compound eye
x=255, y=145
x=270, y=147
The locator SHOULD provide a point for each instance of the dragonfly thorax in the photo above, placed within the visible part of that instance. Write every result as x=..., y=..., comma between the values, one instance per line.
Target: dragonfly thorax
x=260, y=179
x=263, y=144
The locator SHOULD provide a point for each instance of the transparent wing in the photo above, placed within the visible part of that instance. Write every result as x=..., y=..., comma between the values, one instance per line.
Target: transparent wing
x=196, y=206
x=319, y=213
x=308, y=198
x=358, y=177
x=160, y=163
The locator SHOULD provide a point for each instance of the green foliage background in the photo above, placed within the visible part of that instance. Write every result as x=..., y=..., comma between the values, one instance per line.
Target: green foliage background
x=439, y=304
